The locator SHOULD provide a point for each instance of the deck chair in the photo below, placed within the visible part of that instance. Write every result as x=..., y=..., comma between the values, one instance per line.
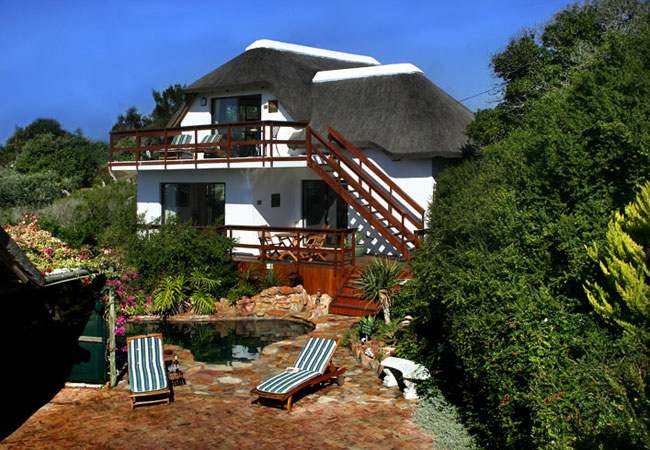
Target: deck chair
x=216, y=150
x=147, y=375
x=315, y=242
x=313, y=365
x=179, y=152
x=266, y=239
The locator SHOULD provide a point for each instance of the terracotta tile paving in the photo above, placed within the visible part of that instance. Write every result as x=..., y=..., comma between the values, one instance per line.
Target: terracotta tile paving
x=214, y=409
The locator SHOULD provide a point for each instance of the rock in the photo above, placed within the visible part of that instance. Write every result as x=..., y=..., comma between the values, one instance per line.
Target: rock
x=296, y=307
x=286, y=290
x=283, y=305
x=255, y=298
x=270, y=292
x=299, y=289
x=260, y=313
x=295, y=298
x=260, y=306
x=230, y=380
x=281, y=298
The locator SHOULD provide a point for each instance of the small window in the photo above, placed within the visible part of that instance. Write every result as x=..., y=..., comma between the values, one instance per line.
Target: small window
x=275, y=200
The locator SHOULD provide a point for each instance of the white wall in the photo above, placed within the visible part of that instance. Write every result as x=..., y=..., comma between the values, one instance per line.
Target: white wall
x=200, y=115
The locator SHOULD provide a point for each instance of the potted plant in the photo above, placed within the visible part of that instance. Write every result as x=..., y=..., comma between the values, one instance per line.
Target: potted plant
x=360, y=245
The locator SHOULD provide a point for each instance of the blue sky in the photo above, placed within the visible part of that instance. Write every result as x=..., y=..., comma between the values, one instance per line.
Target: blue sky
x=85, y=62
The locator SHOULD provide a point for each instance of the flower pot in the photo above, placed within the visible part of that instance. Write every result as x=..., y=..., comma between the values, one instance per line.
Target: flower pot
x=359, y=250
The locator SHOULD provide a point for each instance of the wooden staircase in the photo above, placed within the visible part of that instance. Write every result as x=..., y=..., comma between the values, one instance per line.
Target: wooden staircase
x=347, y=302
x=365, y=187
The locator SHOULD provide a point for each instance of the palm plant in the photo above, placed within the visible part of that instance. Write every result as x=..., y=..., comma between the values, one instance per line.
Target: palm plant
x=170, y=295
x=379, y=282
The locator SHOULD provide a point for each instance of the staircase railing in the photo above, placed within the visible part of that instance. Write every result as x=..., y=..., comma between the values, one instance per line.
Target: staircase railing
x=379, y=199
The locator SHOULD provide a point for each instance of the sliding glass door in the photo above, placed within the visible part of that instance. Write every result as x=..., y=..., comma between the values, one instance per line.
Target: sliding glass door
x=200, y=204
x=239, y=109
x=322, y=206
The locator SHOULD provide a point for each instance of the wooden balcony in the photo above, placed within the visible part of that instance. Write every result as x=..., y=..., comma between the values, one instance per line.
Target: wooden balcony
x=244, y=142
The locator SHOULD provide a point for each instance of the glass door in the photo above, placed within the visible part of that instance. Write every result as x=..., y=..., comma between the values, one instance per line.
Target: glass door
x=245, y=108
x=322, y=206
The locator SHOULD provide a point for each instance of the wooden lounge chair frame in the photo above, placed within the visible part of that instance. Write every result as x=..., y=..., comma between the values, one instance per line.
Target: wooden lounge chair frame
x=330, y=373
x=161, y=395
x=266, y=239
x=315, y=242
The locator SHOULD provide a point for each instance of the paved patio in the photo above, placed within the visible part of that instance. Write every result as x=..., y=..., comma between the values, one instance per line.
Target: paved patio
x=214, y=409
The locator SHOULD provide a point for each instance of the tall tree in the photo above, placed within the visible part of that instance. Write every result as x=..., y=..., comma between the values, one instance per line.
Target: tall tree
x=21, y=136
x=167, y=103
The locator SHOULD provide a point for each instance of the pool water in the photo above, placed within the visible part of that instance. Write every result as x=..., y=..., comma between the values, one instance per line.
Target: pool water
x=223, y=342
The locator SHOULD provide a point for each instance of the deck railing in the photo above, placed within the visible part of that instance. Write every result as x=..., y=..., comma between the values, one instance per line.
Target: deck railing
x=338, y=248
x=255, y=141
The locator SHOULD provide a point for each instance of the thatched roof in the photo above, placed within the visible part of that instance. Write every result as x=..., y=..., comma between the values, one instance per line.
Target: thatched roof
x=405, y=115
x=15, y=266
x=394, y=108
x=286, y=74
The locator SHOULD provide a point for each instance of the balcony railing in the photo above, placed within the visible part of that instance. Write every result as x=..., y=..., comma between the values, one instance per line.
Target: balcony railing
x=258, y=141
x=333, y=247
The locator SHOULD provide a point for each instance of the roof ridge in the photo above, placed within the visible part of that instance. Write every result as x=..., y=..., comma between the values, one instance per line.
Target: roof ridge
x=313, y=51
x=364, y=72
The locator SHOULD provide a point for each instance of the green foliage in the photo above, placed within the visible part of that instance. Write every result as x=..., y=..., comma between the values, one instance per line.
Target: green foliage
x=379, y=282
x=240, y=290
x=103, y=216
x=21, y=136
x=624, y=297
x=71, y=157
x=513, y=338
x=167, y=103
x=177, y=294
x=28, y=191
x=170, y=294
x=131, y=120
x=178, y=250
x=440, y=418
x=367, y=326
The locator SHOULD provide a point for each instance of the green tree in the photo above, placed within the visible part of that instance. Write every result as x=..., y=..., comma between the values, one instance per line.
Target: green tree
x=624, y=297
x=167, y=103
x=71, y=157
x=21, y=136
x=131, y=120
x=508, y=329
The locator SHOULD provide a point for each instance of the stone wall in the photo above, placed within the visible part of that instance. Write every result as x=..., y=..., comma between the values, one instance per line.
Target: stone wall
x=278, y=301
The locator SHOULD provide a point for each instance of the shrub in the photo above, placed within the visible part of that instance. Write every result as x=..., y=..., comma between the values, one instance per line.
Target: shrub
x=71, y=157
x=173, y=250
x=103, y=216
x=440, y=418
x=28, y=191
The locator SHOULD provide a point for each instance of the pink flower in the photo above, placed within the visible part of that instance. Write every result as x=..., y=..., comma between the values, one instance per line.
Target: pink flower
x=125, y=348
x=119, y=331
x=120, y=320
x=131, y=298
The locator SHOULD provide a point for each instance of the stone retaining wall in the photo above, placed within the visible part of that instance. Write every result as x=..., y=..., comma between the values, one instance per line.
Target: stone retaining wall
x=278, y=301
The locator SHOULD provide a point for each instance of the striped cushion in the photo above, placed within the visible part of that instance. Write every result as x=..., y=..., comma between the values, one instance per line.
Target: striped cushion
x=181, y=139
x=285, y=381
x=146, y=364
x=316, y=354
x=211, y=139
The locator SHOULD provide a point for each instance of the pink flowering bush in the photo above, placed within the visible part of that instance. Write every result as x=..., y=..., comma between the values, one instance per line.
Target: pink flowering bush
x=130, y=300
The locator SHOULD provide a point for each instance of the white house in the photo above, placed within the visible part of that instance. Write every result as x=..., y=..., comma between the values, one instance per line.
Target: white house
x=305, y=137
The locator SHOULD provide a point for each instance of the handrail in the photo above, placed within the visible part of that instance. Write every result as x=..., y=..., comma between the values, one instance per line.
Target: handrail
x=263, y=145
x=373, y=167
x=371, y=185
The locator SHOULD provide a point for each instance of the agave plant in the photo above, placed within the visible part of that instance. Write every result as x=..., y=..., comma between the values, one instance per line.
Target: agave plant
x=379, y=282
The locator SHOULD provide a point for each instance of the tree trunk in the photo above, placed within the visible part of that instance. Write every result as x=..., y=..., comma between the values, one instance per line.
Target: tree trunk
x=385, y=305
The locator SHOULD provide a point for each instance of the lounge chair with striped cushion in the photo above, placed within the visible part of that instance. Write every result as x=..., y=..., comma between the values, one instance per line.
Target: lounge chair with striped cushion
x=313, y=365
x=147, y=375
x=215, y=150
x=176, y=152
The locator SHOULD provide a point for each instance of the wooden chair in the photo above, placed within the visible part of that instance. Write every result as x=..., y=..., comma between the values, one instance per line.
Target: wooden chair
x=147, y=374
x=313, y=365
x=266, y=240
x=315, y=242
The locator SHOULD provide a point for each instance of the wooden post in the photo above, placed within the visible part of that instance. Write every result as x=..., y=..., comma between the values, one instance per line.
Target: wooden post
x=111, y=337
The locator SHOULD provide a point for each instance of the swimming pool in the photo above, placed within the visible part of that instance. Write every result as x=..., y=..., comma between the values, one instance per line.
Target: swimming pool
x=223, y=342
